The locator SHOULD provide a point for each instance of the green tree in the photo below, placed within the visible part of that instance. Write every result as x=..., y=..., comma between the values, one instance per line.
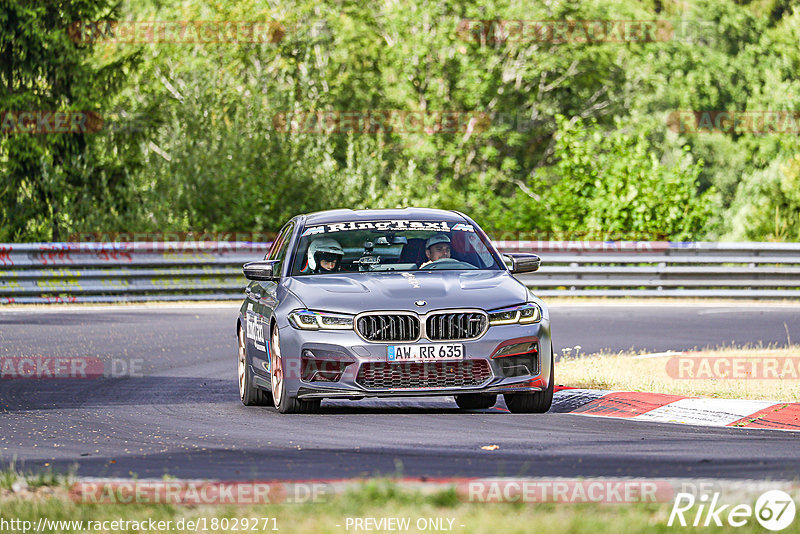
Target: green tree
x=767, y=204
x=613, y=185
x=50, y=180
x=210, y=157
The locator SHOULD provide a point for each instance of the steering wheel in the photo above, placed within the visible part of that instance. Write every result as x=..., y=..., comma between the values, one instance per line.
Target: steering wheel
x=448, y=264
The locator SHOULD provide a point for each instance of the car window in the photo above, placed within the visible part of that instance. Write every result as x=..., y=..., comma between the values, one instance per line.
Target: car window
x=392, y=246
x=279, y=241
x=280, y=246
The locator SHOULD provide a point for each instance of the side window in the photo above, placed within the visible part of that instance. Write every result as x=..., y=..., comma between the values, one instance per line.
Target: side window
x=281, y=245
x=276, y=244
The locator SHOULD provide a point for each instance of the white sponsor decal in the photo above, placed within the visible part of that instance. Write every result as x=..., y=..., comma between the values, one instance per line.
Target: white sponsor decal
x=255, y=330
x=411, y=279
x=313, y=230
x=389, y=226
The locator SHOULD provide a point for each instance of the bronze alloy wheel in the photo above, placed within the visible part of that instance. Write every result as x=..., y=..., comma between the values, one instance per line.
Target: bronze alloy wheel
x=276, y=368
x=248, y=392
x=283, y=401
x=242, y=362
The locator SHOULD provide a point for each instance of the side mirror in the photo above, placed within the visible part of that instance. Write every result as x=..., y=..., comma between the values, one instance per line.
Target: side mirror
x=523, y=262
x=261, y=271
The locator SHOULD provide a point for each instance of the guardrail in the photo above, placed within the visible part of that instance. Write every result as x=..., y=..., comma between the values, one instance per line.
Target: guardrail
x=120, y=272
x=143, y=271
x=663, y=268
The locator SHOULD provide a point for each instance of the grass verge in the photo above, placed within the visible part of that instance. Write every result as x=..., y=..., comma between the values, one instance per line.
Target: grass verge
x=736, y=373
x=443, y=510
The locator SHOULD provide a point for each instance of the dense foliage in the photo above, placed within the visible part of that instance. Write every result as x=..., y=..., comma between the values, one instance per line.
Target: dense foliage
x=557, y=139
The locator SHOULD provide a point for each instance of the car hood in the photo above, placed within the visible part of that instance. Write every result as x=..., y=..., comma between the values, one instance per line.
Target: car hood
x=358, y=292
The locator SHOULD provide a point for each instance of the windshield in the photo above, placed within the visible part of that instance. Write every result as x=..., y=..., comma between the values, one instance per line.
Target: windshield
x=396, y=245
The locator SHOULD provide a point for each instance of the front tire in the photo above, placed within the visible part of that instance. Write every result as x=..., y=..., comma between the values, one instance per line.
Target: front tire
x=280, y=398
x=475, y=401
x=537, y=402
x=249, y=394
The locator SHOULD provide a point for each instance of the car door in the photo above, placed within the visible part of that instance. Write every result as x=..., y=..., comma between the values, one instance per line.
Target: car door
x=261, y=303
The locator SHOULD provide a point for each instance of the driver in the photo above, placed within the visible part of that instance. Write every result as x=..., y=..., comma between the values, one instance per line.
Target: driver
x=437, y=247
x=324, y=255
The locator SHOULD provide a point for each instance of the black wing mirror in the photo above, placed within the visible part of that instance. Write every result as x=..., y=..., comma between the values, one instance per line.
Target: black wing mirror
x=261, y=271
x=523, y=262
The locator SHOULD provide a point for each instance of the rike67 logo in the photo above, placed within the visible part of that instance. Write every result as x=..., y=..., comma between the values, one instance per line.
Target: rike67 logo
x=774, y=510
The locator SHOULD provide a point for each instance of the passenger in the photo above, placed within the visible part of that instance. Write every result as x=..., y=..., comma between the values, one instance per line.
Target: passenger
x=437, y=247
x=324, y=256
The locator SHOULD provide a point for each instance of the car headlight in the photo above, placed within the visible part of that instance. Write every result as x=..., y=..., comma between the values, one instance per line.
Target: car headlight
x=523, y=314
x=312, y=320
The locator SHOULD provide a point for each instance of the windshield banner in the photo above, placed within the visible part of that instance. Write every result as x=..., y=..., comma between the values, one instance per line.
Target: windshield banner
x=391, y=226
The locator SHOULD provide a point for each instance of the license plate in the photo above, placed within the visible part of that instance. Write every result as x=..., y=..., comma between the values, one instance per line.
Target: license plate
x=425, y=353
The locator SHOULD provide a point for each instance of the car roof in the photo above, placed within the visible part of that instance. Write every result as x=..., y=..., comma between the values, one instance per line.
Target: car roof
x=417, y=214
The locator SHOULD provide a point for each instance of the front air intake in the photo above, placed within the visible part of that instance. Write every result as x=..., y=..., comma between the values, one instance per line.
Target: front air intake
x=388, y=327
x=423, y=375
x=455, y=326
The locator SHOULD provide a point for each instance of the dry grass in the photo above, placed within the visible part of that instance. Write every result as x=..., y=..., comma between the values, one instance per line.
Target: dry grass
x=735, y=373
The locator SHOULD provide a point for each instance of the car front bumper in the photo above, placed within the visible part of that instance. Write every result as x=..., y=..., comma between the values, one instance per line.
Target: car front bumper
x=359, y=357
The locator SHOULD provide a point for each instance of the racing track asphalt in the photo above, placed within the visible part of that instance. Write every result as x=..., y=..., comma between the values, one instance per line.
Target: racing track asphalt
x=183, y=415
